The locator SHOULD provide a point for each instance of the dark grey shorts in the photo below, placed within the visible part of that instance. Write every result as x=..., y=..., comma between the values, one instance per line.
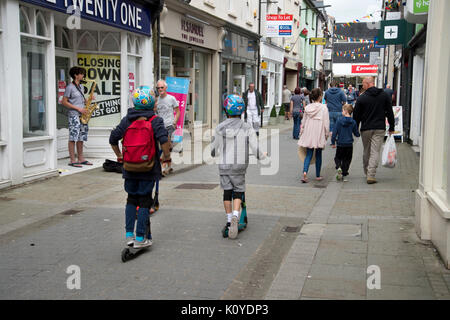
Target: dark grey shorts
x=235, y=183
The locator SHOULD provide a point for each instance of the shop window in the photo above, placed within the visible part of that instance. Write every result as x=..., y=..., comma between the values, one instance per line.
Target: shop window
x=34, y=91
x=138, y=46
x=110, y=41
x=165, y=61
x=41, y=28
x=130, y=45
x=201, y=86
x=25, y=25
x=87, y=40
x=62, y=38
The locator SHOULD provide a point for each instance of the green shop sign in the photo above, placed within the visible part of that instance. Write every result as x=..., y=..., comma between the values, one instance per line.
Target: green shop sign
x=421, y=6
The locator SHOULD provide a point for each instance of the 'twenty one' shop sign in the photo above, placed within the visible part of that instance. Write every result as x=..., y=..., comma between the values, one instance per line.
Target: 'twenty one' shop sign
x=124, y=14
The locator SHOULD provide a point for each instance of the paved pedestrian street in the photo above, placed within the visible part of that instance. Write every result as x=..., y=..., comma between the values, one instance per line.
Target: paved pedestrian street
x=320, y=240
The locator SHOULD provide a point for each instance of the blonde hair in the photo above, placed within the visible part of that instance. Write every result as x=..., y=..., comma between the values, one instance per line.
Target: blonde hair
x=348, y=107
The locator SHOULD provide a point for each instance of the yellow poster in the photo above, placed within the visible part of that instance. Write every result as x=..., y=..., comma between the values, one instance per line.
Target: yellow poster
x=105, y=71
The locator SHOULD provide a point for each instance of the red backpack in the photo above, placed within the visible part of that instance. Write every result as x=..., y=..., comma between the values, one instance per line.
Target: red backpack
x=138, y=146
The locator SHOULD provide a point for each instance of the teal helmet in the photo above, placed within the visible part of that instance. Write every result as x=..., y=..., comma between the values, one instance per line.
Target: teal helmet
x=234, y=105
x=143, y=98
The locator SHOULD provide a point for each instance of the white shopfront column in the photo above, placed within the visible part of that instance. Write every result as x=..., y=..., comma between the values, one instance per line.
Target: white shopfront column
x=12, y=99
x=147, y=70
x=124, y=89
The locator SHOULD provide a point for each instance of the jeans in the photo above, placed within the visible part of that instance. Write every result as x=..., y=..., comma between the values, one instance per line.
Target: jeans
x=141, y=191
x=309, y=155
x=334, y=116
x=297, y=122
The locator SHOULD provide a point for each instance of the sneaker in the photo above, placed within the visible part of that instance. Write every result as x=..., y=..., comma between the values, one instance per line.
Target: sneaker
x=371, y=180
x=129, y=241
x=142, y=244
x=233, y=230
x=339, y=174
x=226, y=229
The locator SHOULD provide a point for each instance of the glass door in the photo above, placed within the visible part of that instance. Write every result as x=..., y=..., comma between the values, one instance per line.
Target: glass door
x=63, y=63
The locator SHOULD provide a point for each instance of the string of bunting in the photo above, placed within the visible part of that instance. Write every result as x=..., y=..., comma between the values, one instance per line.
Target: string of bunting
x=352, y=39
x=354, y=52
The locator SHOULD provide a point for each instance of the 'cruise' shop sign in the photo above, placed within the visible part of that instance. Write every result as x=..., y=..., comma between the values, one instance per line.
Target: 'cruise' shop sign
x=124, y=14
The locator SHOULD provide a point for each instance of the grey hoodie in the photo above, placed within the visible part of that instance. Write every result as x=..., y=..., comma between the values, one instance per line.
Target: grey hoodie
x=232, y=139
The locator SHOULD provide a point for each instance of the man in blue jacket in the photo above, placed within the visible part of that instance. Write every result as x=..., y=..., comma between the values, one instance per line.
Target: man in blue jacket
x=334, y=98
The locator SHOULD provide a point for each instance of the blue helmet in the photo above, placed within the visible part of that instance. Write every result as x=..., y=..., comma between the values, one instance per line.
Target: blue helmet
x=234, y=105
x=143, y=98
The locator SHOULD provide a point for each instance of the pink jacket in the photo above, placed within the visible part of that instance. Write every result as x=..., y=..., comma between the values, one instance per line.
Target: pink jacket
x=315, y=128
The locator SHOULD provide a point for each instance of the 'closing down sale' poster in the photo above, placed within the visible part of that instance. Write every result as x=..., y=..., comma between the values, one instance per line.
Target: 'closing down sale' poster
x=105, y=71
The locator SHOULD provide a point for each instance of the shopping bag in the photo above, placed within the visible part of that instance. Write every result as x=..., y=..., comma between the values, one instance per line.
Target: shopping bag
x=389, y=156
x=302, y=155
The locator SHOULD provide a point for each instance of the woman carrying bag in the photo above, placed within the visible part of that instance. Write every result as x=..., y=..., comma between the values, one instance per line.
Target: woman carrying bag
x=314, y=132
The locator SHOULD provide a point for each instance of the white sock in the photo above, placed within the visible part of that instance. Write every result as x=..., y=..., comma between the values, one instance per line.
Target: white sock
x=236, y=213
x=229, y=216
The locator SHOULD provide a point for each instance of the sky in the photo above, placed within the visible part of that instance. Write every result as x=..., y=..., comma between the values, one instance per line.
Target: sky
x=349, y=10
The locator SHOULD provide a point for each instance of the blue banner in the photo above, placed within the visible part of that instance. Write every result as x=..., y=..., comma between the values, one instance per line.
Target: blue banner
x=124, y=14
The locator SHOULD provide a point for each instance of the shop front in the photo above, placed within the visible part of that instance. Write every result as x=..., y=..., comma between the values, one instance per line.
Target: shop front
x=271, y=78
x=189, y=49
x=238, y=63
x=291, y=74
x=51, y=37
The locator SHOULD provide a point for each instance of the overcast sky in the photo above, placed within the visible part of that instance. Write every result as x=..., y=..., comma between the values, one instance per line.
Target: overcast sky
x=349, y=10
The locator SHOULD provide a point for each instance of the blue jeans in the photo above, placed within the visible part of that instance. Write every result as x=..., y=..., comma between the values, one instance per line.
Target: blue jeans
x=309, y=155
x=334, y=116
x=139, y=193
x=297, y=122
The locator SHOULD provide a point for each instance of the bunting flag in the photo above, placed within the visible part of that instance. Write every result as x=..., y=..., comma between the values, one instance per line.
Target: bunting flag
x=354, y=52
x=351, y=39
x=348, y=24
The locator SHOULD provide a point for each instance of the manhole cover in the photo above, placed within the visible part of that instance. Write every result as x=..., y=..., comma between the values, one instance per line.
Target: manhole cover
x=70, y=212
x=291, y=229
x=203, y=186
x=321, y=186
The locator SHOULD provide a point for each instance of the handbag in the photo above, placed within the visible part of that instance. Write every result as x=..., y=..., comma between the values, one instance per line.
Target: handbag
x=302, y=155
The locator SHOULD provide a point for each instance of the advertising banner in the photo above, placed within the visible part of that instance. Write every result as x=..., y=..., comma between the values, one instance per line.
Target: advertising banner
x=279, y=25
x=179, y=88
x=105, y=71
x=398, y=117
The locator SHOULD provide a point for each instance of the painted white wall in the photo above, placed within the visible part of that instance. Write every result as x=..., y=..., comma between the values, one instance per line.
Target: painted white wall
x=416, y=99
x=433, y=196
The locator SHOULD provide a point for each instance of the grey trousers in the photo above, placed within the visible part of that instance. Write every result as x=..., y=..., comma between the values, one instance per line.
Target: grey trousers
x=372, y=141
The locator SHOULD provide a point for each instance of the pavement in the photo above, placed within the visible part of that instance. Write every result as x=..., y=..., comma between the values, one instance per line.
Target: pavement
x=320, y=240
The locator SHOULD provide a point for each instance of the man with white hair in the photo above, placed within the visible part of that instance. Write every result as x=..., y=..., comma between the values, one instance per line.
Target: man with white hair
x=165, y=107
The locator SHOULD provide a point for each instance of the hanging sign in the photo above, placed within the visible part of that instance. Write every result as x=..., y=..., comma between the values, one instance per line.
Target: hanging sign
x=364, y=68
x=279, y=25
x=317, y=41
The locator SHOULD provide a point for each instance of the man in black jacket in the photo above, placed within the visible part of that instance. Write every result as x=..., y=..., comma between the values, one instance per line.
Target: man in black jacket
x=371, y=110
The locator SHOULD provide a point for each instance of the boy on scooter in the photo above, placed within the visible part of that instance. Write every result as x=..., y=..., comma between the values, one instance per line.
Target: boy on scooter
x=232, y=140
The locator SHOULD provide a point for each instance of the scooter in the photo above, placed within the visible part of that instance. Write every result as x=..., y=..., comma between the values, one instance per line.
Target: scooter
x=243, y=221
x=130, y=252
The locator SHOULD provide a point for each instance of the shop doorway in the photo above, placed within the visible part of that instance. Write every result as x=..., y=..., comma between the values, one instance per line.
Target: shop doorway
x=63, y=63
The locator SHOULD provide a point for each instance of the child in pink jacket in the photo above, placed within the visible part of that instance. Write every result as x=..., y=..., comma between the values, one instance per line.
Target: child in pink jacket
x=314, y=132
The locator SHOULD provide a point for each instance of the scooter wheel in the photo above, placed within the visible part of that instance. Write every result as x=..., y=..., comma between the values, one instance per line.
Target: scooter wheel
x=246, y=222
x=225, y=232
x=126, y=255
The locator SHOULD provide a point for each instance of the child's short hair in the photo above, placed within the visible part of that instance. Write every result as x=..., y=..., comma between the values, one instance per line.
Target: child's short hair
x=348, y=107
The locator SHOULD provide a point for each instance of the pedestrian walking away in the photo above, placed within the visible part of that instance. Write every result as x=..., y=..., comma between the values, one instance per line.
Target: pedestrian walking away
x=335, y=98
x=234, y=160
x=343, y=136
x=296, y=110
x=371, y=110
x=254, y=106
x=286, y=96
x=351, y=95
x=74, y=100
x=165, y=107
x=314, y=132
x=140, y=130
